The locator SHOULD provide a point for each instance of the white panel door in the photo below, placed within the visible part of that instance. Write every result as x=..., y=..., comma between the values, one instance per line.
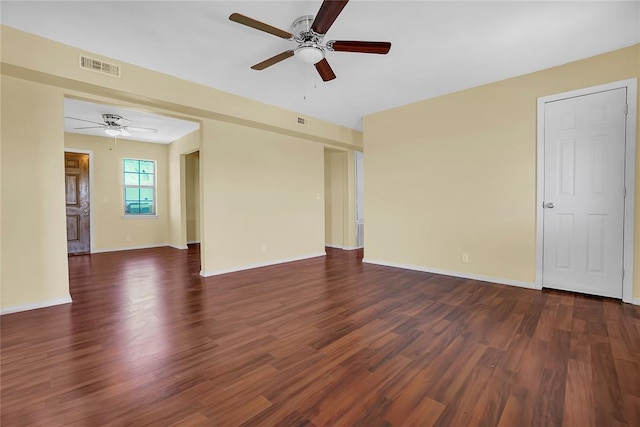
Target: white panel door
x=584, y=160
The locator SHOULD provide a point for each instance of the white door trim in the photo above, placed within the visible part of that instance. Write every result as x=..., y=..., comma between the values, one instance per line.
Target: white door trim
x=630, y=159
x=90, y=153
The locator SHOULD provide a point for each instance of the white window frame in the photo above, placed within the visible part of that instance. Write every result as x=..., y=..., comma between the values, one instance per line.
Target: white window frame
x=130, y=215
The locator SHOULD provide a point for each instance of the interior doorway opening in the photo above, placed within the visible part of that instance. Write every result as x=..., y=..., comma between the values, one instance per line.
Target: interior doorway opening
x=335, y=186
x=78, y=201
x=344, y=199
x=192, y=197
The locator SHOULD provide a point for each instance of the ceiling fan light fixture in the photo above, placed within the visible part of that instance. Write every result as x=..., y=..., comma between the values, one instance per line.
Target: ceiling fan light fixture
x=309, y=54
x=112, y=132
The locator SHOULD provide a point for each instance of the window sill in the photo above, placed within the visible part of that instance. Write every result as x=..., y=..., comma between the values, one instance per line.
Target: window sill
x=140, y=216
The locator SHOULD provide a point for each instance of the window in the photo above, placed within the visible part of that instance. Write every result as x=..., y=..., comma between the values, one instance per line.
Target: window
x=139, y=187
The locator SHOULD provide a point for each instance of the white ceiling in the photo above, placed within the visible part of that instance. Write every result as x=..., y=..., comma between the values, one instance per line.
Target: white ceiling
x=168, y=129
x=437, y=47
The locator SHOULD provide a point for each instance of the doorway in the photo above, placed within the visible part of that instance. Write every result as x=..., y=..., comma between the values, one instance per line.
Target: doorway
x=336, y=198
x=78, y=202
x=359, y=196
x=192, y=196
x=586, y=154
x=344, y=199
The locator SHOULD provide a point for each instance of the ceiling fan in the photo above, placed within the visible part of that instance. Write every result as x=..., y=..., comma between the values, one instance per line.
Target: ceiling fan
x=113, y=125
x=308, y=33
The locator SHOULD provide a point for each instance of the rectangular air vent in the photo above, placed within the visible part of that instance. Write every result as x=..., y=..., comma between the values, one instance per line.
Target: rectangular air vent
x=98, y=66
x=303, y=121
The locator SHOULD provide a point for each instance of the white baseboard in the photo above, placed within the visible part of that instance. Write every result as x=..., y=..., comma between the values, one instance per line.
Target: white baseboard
x=192, y=242
x=178, y=247
x=258, y=265
x=480, y=277
x=35, y=305
x=132, y=248
x=345, y=248
x=635, y=301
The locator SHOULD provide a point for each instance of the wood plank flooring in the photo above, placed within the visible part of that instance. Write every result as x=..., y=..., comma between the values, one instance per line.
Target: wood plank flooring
x=324, y=342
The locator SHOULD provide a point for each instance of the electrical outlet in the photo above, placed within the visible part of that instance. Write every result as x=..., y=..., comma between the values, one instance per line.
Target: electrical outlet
x=264, y=247
x=465, y=257
x=128, y=238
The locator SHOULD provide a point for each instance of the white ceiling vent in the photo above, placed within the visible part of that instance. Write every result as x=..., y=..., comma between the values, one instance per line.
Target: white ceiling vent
x=98, y=66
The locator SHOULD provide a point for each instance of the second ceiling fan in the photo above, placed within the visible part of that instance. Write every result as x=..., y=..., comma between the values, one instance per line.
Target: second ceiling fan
x=308, y=34
x=113, y=125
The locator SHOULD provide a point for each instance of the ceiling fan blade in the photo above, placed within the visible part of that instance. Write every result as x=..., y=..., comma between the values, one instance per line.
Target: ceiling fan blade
x=327, y=14
x=325, y=71
x=359, y=47
x=250, y=22
x=273, y=60
x=93, y=127
x=137, y=129
x=83, y=120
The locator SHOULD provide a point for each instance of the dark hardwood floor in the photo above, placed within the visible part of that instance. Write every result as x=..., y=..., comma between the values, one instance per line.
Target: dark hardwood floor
x=325, y=342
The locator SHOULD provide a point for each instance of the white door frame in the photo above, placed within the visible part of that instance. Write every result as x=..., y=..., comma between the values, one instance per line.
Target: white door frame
x=630, y=164
x=90, y=153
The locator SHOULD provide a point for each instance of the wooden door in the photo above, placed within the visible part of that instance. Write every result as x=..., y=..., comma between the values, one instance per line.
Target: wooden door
x=77, y=201
x=584, y=193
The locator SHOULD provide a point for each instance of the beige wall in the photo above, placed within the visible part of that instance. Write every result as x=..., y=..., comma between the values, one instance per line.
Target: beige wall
x=192, y=164
x=335, y=184
x=110, y=229
x=262, y=199
x=177, y=187
x=457, y=173
x=33, y=228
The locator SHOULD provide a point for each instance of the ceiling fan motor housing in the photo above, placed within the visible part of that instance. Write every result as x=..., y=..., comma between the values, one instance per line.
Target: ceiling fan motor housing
x=302, y=32
x=309, y=48
x=112, y=119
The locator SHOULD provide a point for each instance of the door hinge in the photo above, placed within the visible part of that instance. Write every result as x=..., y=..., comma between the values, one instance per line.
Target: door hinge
x=626, y=109
x=623, y=274
x=625, y=193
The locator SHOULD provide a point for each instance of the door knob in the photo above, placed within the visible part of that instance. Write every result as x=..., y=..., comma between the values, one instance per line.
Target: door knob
x=550, y=205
